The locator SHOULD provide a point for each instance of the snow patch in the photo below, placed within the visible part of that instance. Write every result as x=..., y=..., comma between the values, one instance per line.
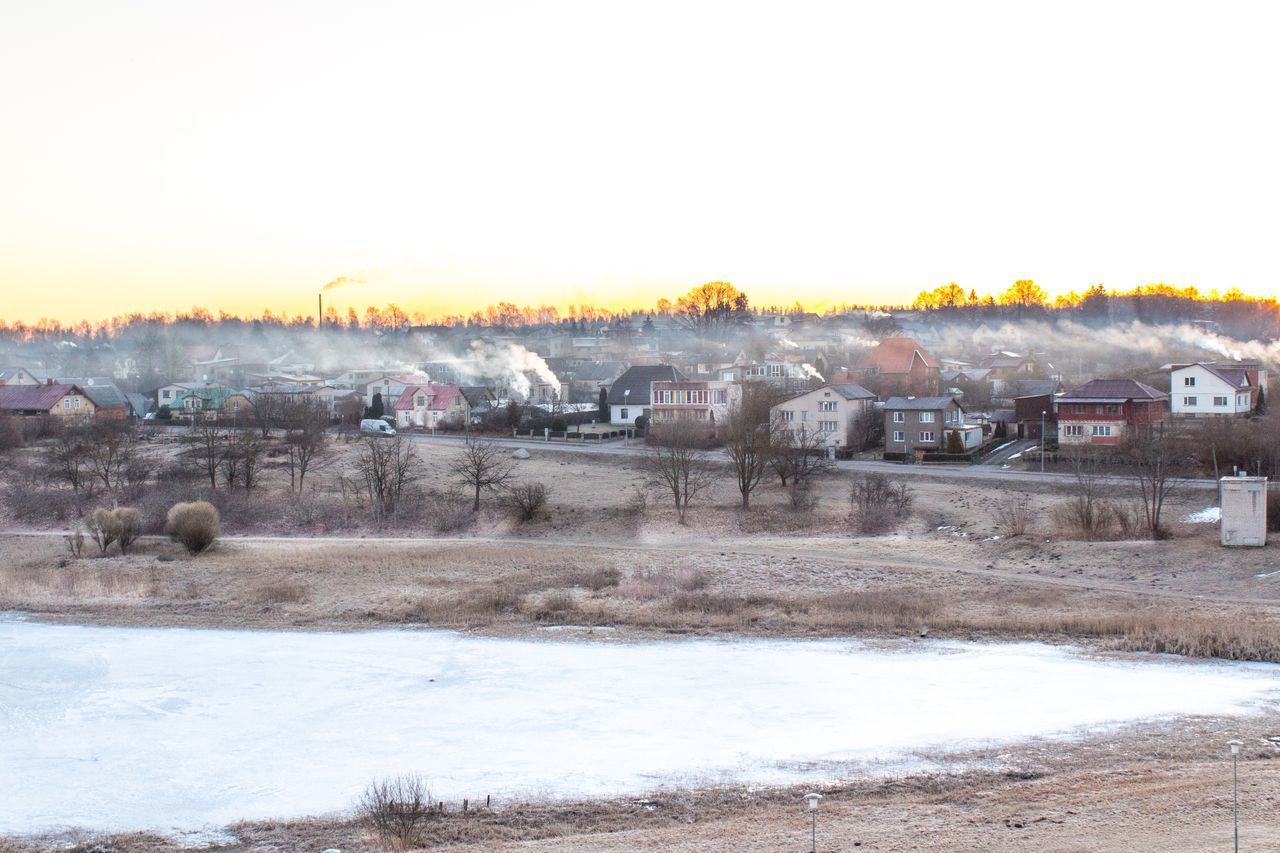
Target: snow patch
x=1208, y=515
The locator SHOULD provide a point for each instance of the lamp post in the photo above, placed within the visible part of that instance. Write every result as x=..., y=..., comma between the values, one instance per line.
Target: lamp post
x=1235, y=788
x=1042, y=413
x=812, y=800
x=626, y=432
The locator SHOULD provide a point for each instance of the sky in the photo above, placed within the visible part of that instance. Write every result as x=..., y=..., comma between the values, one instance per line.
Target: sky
x=238, y=155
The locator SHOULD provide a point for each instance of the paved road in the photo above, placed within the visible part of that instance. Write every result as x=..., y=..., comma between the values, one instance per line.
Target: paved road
x=1014, y=474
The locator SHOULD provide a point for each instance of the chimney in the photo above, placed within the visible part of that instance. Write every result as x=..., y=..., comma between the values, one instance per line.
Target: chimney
x=48, y=382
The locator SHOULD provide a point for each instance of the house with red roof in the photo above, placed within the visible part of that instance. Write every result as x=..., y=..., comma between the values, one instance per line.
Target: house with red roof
x=431, y=406
x=1103, y=411
x=899, y=366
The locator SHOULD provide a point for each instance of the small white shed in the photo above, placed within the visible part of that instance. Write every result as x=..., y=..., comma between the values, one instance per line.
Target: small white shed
x=1244, y=511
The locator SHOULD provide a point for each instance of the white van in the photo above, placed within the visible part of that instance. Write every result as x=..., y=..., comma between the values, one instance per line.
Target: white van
x=376, y=426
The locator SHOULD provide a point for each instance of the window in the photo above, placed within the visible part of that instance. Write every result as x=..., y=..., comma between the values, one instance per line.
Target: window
x=1242, y=401
x=828, y=405
x=775, y=370
x=622, y=413
x=827, y=426
x=721, y=396
x=420, y=400
x=1102, y=429
x=1073, y=429
x=899, y=436
x=1189, y=381
x=1188, y=401
x=926, y=435
x=66, y=402
x=804, y=415
x=899, y=417
x=75, y=402
x=1220, y=401
x=926, y=417
x=788, y=415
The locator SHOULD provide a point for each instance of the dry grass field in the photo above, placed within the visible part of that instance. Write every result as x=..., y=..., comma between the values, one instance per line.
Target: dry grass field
x=610, y=559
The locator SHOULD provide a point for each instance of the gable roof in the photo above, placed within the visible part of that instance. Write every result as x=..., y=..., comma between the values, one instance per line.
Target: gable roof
x=1236, y=377
x=972, y=374
x=637, y=380
x=23, y=398
x=1112, y=391
x=895, y=355
x=919, y=404
x=477, y=395
x=104, y=393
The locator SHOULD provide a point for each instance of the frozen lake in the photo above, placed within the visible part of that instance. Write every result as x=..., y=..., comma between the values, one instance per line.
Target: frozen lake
x=125, y=728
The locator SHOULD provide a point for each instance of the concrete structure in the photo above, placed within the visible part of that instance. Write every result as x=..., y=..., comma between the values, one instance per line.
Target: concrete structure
x=1244, y=511
x=829, y=411
x=1206, y=389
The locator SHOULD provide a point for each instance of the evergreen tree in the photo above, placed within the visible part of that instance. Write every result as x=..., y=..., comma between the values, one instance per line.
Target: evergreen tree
x=955, y=444
x=375, y=409
x=603, y=406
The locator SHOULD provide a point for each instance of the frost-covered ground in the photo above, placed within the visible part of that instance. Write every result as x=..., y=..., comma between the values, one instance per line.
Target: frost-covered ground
x=127, y=728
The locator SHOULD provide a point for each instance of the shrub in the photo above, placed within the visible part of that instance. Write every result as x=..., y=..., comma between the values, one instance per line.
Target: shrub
x=526, y=500
x=102, y=527
x=597, y=579
x=194, y=525
x=128, y=525
x=397, y=809
x=559, y=425
x=75, y=542
x=1012, y=515
x=878, y=503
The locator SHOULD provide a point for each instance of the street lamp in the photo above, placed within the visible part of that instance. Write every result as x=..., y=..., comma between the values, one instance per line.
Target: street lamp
x=1042, y=413
x=1235, y=788
x=812, y=800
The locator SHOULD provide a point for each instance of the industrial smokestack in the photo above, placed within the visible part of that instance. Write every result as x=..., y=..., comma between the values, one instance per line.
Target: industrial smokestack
x=320, y=310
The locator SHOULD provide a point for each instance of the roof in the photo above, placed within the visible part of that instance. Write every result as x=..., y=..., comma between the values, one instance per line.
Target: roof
x=975, y=374
x=636, y=381
x=1112, y=391
x=597, y=371
x=1236, y=377
x=104, y=393
x=895, y=355
x=22, y=398
x=919, y=404
x=851, y=391
x=1035, y=387
x=477, y=395
x=439, y=397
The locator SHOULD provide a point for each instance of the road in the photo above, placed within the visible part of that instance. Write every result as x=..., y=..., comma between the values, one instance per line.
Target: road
x=1014, y=474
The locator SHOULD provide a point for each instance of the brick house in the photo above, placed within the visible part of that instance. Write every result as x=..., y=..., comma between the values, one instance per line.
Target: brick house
x=1102, y=411
x=899, y=366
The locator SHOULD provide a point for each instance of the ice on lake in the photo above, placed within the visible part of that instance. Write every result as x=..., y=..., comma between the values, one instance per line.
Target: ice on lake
x=128, y=728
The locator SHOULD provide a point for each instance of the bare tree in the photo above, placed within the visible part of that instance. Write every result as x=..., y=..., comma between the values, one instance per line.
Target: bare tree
x=678, y=462
x=307, y=440
x=747, y=440
x=866, y=430
x=110, y=447
x=481, y=466
x=396, y=809
x=206, y=448
x=266, y=410
x=68, y=456
x=1160, y=465
x=799, y=453
x=386, y=467
x=526, y=500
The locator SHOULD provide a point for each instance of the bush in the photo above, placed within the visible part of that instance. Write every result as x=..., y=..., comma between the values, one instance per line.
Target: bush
x=878, y=503
x=1273, y=509
x=641, y=423
x=526, y=500
x=128, y=526
x=559, y=425
x=1012, y=515
x=102, y=527
x=194, y=525
x=75, y=542
x=396, y=810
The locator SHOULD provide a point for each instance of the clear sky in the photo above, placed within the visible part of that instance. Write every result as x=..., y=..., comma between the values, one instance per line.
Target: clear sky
x=237, y=155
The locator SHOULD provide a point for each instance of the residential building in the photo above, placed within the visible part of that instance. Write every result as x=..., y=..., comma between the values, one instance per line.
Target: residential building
x=191, y=397
x=701, y=401
x=829, y=411
x=431, y=407
x=67, y=403
x=918, y=425
x=629, y=396
x=1206, y=389
x=1030, y=413
x=1102, y=411
x=899, y=366
x=17, y=376
x=391, y=386
x=109, y=402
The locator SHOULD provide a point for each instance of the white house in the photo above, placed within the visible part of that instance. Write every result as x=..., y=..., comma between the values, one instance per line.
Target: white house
x=1205, y=389
x=829, y=411
x=629, y=396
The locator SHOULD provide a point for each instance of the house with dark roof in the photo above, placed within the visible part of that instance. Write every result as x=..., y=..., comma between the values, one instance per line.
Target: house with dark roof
x=65, y=402
x=899, y=366
x=914, y=426
x=109, y=402
x=1209, y=389
x=630, y=395
x=829, y=412
x=1103, y=411
x=17, y=376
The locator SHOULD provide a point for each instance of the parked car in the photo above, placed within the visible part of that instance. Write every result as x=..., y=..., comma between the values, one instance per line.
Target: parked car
x=377, y=426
